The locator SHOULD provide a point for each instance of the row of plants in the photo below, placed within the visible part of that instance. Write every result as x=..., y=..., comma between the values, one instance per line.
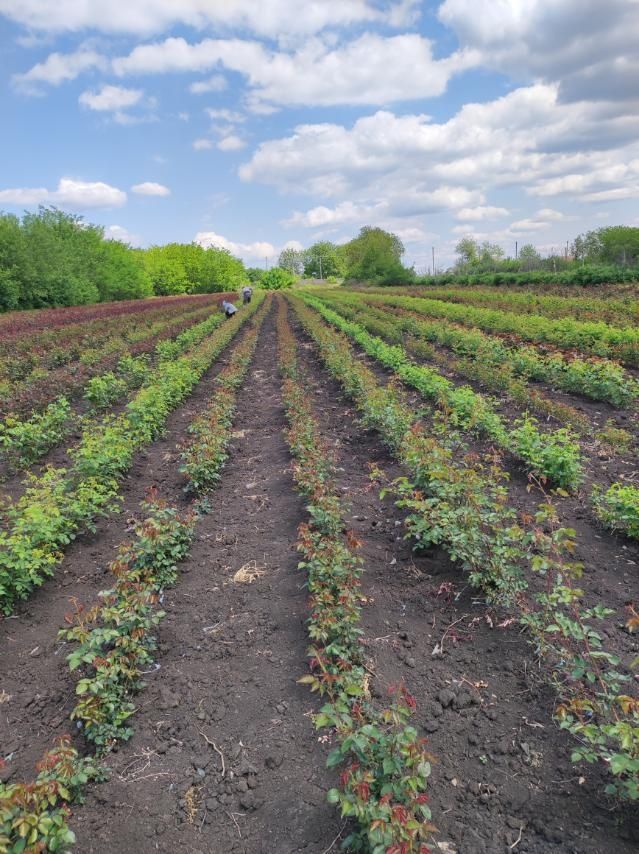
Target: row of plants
x=616, y=311
x=494, y=378
x=18, y=323
x=459, y=502
x=586, y=275
x=60, y=503
x=24, y=441
x=585, y=336
x=384, y=764
x=40, y=387
x=618, y=508
x=115, y=642
x=45, y=350
x=553, y=456
x=598, y=379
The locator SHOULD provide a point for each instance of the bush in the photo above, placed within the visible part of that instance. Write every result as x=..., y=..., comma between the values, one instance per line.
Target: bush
x=277, y=279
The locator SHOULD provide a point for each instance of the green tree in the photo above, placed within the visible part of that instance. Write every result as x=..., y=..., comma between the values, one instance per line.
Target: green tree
x=324, y=259
x=277, y=279
x=166, y=271
x=529, y=258
x=255, y=275
x=375, y=256
x=121, y=273
x=468, y=251
x=292, y=260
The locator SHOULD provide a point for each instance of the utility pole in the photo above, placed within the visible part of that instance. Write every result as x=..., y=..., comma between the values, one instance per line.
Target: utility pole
x=516, y=249
x=266, y=263
x=320, y=263
x=433, y=248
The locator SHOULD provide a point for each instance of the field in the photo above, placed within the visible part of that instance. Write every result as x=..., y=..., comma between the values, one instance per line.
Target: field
x=355, y=567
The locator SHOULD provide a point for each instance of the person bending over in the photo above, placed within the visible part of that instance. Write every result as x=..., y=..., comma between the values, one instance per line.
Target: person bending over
x=228, y=308
x=247, y=293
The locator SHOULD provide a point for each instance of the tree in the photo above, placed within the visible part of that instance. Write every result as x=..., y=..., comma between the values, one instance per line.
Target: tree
x=375, y=256
x=277, y=279
x=615, y=244
x=121, y=273
x=468, y=251
x=179, y=268
x=323, y=259
x=165, y=270
x=255, y=274
x=529, y=258
x=292, y=260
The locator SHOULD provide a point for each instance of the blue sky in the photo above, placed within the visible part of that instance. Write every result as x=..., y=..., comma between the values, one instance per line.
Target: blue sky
x=259, y=125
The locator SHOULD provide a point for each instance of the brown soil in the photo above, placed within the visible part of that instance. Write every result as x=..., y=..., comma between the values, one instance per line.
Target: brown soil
x=231, y=652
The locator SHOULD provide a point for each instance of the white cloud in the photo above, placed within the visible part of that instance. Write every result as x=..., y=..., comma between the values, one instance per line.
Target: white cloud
x=230, y=116
x=587, y=45
x=150, y=188
x=111, y=98
x=273, y=18
x=371, y=69
x=202, y=144
x=231, y=143
x=118, y=232
x=322, y=216
x=70, y=193
x=526, y=138
x=251, y=252
x=58, y=68
x=481, y=212
x=216, y=83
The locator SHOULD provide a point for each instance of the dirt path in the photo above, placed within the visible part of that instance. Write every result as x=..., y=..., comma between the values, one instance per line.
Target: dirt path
x=230, y=656
x=33, y=670
x=502, y=765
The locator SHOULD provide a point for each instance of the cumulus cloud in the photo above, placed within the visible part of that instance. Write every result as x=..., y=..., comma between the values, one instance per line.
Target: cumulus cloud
x=111, y=98
x=58, y=68
x=526, y=138
x=481, y=212
x=371, y=69
x=69, y=193
x=216, y=83
x=250, y=252
x=123, y=235
x=231, y=143
x=150, y=188
x=202, y=144
x=272, y=18
x=587, y=45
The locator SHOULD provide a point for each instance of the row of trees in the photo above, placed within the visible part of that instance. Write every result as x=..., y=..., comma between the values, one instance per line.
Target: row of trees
x=374, y=255
x=51, y=258
x=613, y=245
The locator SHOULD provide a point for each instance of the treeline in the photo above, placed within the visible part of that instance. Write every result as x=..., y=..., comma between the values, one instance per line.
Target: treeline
x=607, y=255
x=373, y=256
x=51, y=258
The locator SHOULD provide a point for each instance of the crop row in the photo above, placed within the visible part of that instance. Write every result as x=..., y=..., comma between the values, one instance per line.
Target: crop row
x=459, y=502
x=384, y=763
x=114, y=642
x=17, y=323
x=43, y=351
x=554, y=456
x=500, y=379
x=40, y=386
x=599, y=379
x=23, y=441
x=587, y=337
x=60, y=502
x=619, y=312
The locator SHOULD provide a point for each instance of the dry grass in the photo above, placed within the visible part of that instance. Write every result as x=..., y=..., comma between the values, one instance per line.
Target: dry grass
x=249, y=573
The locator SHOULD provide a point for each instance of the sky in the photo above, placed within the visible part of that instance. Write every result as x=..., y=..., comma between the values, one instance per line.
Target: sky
x=259, y=125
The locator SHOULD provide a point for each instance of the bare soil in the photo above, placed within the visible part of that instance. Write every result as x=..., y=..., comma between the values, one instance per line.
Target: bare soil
x=225, y=757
